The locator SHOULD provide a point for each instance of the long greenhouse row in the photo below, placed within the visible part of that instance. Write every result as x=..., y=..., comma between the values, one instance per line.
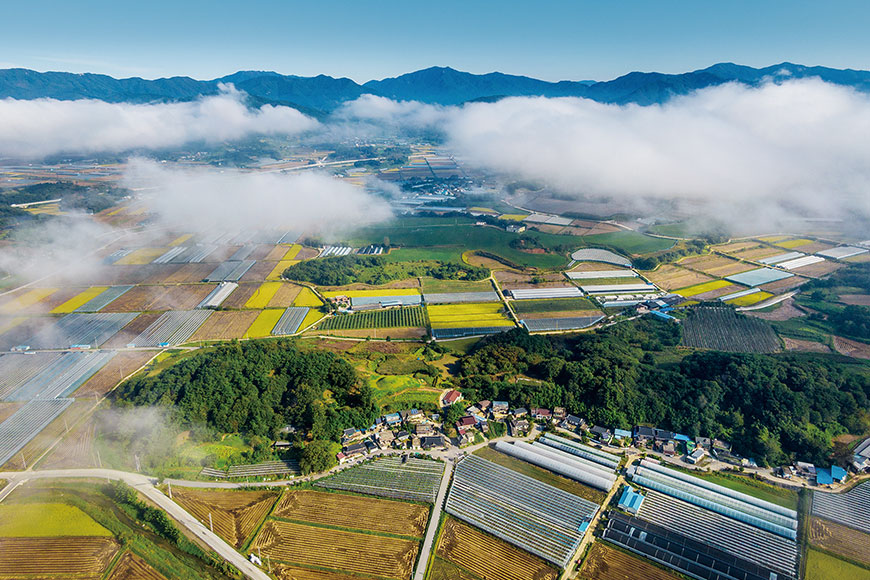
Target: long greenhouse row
x=26, y=423
x=242, y=253
x=684, y=553
x=565, y=464
x=536, y=293
x=217, y=296
x=169, y=255
x=63, y=376
x=17, y=369
x=466, y=331
x=551, y=324
x=460, y=297
x=721, y=500
x=850, y=509
x=580, y=450
x=230, y=271
x=79, y=328
x=525, y=512
x=194, y=255
x=103, y=299
x=413, y=479
x=729, y=535
x=290, y=321
x=173, y=327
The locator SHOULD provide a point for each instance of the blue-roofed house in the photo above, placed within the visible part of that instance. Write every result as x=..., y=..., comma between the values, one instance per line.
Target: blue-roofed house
x=630, y=500
x=393, y=419
x=828, y=475
x=681, y=437
x=621, y=434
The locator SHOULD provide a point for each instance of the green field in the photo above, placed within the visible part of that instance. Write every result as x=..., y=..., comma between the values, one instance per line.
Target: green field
x=677, y=230
x=422, y=254
x=402, y=392
x=778, y=495
x=45, y=520
x=406, y=316
x=629, y=242
x=551, y=305
x=433, y=286
x=821, y=566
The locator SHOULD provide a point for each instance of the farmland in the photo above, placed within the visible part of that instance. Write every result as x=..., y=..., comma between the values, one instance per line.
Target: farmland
x=840, y=539
x=308, y=298
x=704, y=288
x=46, y=520
x=487, y=557
x=552, y=305
x=606, y=563
x=672, y=277
x=416, y=479
x=225, y=325
x=407, y=316
x=75, y=450
x=234, y=514
x=285, y=572
x=263, y=295
x=434, y=286
x=79, y=300
x=347, y=511
x=821, y=566
x=293, y=543
x=147, y=298
x=467, y=315
x=132, y=567
x=721, y=328
x=264, y=323
x=67, y=557
x=714, y=265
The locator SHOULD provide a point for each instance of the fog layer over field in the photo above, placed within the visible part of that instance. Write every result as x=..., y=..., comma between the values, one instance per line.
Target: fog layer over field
x=758, y=154
x=208, y=199
x=38, y=128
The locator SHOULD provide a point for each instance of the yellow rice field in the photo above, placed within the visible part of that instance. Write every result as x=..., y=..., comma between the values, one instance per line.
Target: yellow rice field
x=291, y=252
x=79, y=300
x=366, y=293
x=701, y=288
x=788, y=244
x=27, y=299
x=308, y=298
x=517, y=217
x=263, y=295
x=771, y=239
x=180, y=240
x=141, y=257
x=472, y=315
x=279, y=269
x=264, y=323
x=310, y=318
x=750, y=299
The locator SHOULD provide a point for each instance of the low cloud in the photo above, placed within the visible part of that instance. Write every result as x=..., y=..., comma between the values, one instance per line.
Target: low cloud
x=34, y=129
x=207, y=199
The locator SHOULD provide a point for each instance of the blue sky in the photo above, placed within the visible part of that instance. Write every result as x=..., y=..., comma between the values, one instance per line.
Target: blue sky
x=579, y=39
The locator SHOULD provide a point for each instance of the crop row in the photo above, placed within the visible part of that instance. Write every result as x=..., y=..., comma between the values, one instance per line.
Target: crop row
x=408, y=316
x=416, y=479
x=723, y=329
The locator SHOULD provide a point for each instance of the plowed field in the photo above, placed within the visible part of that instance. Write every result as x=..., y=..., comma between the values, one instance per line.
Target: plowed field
x=606, y=563
x=235, y=514
x=225, y=325
x=70, y=557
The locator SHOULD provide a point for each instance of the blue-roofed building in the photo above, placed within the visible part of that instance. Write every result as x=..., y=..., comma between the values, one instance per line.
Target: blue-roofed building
x=630, y=500
x=683, y=438
x=393, y=419
x=621, y=434
x=828, y=475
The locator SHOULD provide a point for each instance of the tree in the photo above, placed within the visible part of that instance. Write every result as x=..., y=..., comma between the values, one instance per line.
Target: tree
x=317, y=456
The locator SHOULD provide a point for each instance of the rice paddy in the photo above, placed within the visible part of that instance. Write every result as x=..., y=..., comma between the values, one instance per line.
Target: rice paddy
x=264, y=323
x=26, y=300
x=279, y=268
x=79, y=300
x=750, y=299
x=180, y=240
x=468, y=315
x=263, y=295
x=291, y=252
x=702, y=288
x=308, y=298
x=789, y=244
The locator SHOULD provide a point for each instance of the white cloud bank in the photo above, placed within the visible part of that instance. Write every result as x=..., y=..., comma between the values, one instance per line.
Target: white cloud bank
x=207, y=199
x=38, y=128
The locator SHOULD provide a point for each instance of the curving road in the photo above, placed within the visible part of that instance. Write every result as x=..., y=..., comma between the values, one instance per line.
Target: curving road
x=144, y=485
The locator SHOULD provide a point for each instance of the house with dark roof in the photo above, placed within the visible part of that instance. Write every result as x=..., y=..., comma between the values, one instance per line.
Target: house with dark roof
x=432, y=442
x=465, y=423
x=520, y=412
x=355, y=449
x=541, y=414
x=603, y=434
x=643, y=434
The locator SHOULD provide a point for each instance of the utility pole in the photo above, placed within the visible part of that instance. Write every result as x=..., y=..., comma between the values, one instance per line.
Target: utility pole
x=99, y=461
x=170, y=489
x=210, y=524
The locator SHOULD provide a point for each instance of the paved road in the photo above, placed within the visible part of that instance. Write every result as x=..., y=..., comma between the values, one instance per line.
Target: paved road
x=423, y=562
x=145, y=485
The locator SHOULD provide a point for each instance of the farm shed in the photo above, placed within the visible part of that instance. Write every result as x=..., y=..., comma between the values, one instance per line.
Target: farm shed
x=630, y=500
x=828, y=475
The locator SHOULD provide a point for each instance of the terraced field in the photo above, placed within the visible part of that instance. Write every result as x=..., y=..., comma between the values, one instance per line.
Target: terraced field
x=235, y=514
x=293, y=543
x=488, y=557
x=347, y=511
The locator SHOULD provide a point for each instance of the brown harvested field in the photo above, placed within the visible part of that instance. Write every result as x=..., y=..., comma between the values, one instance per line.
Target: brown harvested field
x=7, y=409
x=292, y=543
x=189, y=274
x=275, y=253
x=716, y=266
x=54, y=300
x=441, y=569
x=855, y=299
x=819, y=269
x=553, y=229
x=781, y=286
x=477, y=260
x=284, y=572
x=590, y=227
x=488, y=557
x=786, y=311
x=132, y=330
x=235, y=514
x=797, y=345
x=306, y=254
x=398, y=284
x=840, y=539
x=261, y=251
x=812, y=248
x=123, y=364
x=734, y=247
x=671, y=277
x=259, y=271
x=75, y=450
x=225, y=325
x=35, y=300
x=851, y=348
x=509, y=280
x=606, y=563
x=240, y=296
x=146, y=298
x=348, y=511
x=40, y=444
x=132, y=567
x=859, y=259
x=759, y=253
x=285, y=296
x=222, y=254
x=409, y=332
x=68, y=557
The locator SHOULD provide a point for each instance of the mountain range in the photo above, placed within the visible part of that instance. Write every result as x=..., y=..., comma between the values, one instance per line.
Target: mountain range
x=437, y=85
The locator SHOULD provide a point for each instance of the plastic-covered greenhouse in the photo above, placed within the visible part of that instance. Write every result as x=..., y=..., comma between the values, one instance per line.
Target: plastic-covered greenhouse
x=571, y=469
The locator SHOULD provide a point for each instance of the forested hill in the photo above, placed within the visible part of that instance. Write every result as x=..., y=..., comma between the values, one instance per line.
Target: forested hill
x=437, y=85
x=772, y=408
